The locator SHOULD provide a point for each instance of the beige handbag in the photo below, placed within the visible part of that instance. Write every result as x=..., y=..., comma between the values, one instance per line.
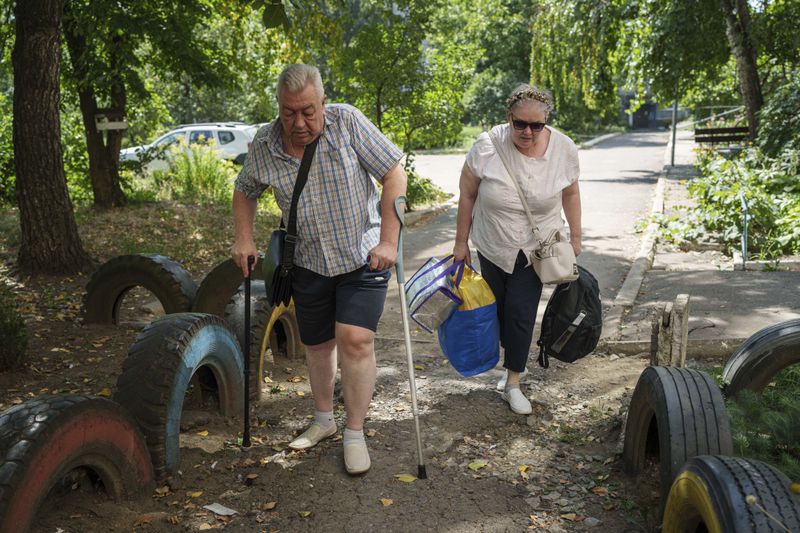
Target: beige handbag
x=554, y=261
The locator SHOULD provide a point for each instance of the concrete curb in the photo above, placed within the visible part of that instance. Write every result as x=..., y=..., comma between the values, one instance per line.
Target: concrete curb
x=696, y=348
x=626, y=296
x=597, y=140
x=414, y=217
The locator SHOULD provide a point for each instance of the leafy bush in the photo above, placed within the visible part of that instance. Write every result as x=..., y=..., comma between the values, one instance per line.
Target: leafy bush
x=13, y=333
x=765, y=425
x=197, y=175
x=779, y=127
x=771, y=190
x=421, y=190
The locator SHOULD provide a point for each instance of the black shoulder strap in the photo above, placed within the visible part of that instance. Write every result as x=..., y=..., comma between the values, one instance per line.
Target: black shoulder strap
x=290, y=239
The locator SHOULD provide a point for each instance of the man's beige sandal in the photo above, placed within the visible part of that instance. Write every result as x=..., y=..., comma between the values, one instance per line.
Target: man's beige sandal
x=312, y=436
x=356, y=457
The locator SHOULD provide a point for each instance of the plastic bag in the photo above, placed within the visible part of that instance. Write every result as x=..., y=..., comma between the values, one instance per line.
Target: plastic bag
x=470, y=337
x=430, y=293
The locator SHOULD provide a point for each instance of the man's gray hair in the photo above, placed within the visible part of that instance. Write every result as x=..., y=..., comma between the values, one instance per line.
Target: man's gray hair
x=296, y=77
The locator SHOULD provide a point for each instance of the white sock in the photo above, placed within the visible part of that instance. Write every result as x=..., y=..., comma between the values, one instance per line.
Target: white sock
x=352, y=435
x=324, y=419
x=508, y=387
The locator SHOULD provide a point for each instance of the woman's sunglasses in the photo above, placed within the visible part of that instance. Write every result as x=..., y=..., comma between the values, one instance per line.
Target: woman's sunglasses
x=520, y=125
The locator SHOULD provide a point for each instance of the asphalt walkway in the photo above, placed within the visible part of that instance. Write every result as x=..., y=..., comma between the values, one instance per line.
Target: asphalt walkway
x=623, y=180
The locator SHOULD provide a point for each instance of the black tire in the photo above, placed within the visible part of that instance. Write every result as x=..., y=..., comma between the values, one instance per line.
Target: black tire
x=165, y=278
x=674, y=415
x=759, y=359
x=157, y=373
x=240, y=159
x=260, y=312
x=43, y=439
x=710, y=494
x=219, y=286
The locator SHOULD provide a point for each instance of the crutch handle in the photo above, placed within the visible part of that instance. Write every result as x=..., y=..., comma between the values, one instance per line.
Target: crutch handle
x=400, y=200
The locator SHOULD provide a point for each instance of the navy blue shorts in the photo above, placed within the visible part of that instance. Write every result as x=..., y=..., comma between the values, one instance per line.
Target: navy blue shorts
x=355, y=298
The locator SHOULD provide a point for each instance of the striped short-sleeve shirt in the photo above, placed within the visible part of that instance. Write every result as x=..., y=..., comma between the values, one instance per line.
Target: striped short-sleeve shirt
x=338, y=214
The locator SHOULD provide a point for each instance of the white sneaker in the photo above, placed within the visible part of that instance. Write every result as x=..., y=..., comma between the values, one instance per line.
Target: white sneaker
x=518, y=402
x=501, y=385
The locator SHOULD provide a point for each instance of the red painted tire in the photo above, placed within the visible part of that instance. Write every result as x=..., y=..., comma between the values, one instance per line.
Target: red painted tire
x=43, y=439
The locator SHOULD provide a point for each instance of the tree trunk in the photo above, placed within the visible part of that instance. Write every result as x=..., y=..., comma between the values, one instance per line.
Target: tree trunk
x=103, y=156
x=737, y=21
x=49, y=242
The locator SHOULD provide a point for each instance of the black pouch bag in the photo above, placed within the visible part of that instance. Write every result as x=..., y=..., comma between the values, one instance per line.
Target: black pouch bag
x=279, y=259
x=573, y=320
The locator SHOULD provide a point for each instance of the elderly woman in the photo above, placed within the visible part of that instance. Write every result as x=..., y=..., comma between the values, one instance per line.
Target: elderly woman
x=544, y=162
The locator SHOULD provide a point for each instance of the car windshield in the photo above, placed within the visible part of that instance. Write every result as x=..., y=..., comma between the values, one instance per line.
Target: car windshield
x=167, y=140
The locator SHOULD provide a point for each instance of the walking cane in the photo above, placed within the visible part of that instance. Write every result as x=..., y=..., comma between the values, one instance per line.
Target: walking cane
x=401, y=281
x=246, y=347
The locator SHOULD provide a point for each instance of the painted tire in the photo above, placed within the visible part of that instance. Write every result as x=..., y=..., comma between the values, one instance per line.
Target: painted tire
x=709, y=494
x=157, y=372
x=220, y=285
x=166, y=279
x=282, y=338
x=759, y=359
x=43, y=439
x=674, y=415
x=260, y=312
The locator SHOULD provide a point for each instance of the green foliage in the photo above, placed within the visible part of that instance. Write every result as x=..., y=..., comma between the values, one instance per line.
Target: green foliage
x=76, y=158
x=571, y=53
x=780, y=118
x=7, y=171
x=770, y=188
x=764, y=426
x=197, y=175
x=421, y=191
x=13, y=333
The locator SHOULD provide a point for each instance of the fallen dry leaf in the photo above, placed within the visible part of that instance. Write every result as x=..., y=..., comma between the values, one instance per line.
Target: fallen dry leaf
x=268, y=506
x=572, y=517
x=405, y=478
x=203, y=433
x=600, y=491
x=194, y=494
x=795, y=487
x=304, y=514
x=160, y=492
x=477, y=465
x=105, y=392
x=386, y=501
x=371, y=432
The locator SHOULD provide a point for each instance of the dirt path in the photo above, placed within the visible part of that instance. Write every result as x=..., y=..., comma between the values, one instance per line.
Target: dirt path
x=488, y=469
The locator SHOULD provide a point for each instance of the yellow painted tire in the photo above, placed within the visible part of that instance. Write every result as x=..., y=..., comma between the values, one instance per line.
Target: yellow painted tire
x=710, y=494
x=281, y=338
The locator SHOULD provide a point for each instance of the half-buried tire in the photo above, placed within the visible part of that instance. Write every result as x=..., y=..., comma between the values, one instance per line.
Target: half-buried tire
x=165, y=278
x=44, y=439
x=674, y=415
x=220, y=285
x=158, y=372
x=717, y=494
x=759, y=359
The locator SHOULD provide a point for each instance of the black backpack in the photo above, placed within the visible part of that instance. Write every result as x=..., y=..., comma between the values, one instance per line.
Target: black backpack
x=572, y=321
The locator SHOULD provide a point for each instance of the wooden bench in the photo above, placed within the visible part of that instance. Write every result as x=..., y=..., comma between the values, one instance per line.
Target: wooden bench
x=721, y=135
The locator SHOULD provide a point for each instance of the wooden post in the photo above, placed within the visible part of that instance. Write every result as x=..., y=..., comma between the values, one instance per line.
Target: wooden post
x=670, y=333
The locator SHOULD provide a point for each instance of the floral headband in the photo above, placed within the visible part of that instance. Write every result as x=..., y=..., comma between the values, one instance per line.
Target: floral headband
x=529, y=93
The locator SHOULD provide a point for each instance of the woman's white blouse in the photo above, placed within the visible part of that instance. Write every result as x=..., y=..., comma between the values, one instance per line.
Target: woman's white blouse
x=500, y=228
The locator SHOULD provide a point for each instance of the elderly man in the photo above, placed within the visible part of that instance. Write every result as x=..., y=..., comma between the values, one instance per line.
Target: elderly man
x=345, y=249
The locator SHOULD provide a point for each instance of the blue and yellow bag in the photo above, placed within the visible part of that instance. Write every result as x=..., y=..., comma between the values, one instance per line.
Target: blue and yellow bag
x=470, y=337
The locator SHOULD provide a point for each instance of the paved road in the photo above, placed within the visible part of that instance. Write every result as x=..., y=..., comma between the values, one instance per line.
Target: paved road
x=618, y=179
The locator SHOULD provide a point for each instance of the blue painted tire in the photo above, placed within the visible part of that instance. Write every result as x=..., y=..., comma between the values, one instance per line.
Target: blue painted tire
x=160, y=365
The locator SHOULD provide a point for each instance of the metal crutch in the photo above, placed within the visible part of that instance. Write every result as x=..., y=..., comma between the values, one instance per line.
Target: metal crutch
x=401, y=281
x=246, y=347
